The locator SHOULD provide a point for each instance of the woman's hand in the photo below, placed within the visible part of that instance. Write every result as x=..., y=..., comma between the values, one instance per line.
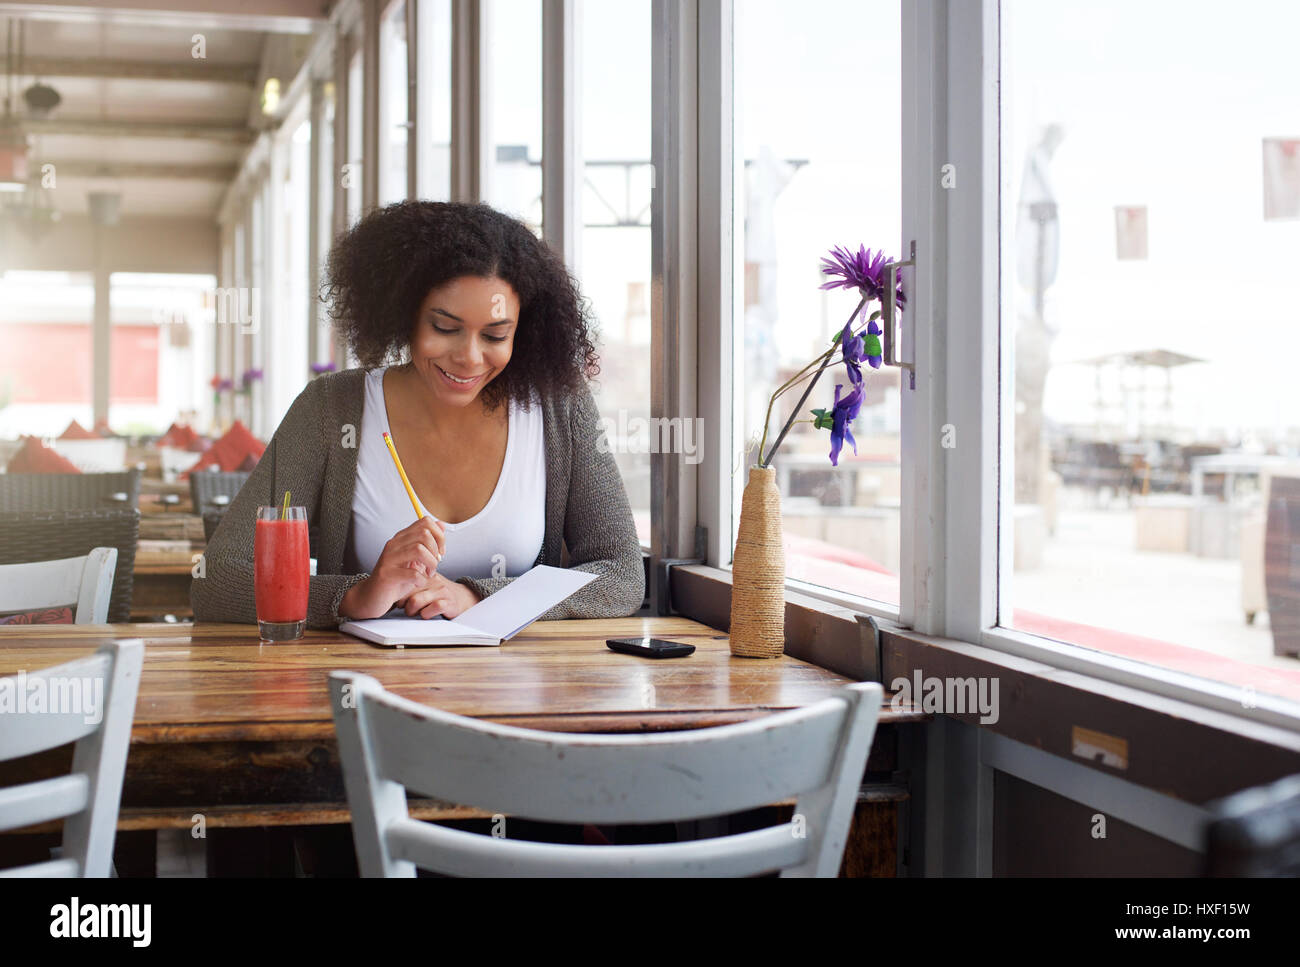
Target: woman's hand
x=440, y=597
x=408, y=563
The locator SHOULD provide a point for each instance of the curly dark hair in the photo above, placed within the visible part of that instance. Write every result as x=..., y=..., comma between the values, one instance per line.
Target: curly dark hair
x=380, y=271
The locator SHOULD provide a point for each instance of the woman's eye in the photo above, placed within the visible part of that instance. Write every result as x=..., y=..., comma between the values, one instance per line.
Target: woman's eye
x=450, y=332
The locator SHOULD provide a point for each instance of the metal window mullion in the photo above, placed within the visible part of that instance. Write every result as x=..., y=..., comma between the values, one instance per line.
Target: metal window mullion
x=413, y=127
x=949, y=539
x=262, y=346
x=239, y=360
x=971, y=330
x=370, y=101
x=339, y=210
x=469, y=98
x=314, y=254
x=716, y=332
x=561, y=138
x=674, y=250
x=923, y=563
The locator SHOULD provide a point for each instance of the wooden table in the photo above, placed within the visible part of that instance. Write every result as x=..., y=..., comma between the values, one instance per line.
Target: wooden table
x=162, y=574
x=242, y=732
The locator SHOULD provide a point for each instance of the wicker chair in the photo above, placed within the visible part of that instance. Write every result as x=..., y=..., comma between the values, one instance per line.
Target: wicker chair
x=49, y=535
x=207, y=486
x=211, y=518
x=70, y=491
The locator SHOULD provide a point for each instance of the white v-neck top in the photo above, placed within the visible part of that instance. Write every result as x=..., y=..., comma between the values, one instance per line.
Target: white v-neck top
x=503, y=539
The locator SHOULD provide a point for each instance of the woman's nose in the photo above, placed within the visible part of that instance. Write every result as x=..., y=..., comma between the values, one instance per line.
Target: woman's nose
x=469, y=354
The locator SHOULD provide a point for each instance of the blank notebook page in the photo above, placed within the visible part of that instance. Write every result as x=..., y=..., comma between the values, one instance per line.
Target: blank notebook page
x=524, y=600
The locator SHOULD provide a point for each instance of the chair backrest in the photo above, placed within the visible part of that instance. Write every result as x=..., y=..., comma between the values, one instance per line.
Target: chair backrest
x=215, y=490
x=89, y=701
x=388, y=744
x=53, y=535
x=1255, y=832
x=69, y=491
x=85, y=582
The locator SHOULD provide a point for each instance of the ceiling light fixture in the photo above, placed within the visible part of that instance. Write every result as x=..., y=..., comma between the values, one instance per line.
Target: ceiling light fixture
x=271, y=96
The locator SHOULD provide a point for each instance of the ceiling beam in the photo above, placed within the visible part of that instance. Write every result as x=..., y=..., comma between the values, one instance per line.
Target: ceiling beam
x=188, y=70
x=272, y=16
x=139, y=170
x=227, y=133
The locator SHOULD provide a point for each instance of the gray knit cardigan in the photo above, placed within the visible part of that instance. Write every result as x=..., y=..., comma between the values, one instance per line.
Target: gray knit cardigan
x=313, y=455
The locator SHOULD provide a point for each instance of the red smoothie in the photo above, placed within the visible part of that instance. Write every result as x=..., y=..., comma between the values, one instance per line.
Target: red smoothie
x=282, y=569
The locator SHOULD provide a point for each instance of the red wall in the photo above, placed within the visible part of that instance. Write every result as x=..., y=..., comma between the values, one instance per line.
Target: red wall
x=51, y=362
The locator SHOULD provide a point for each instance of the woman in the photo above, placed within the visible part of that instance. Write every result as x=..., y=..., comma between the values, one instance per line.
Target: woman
x=488, y=409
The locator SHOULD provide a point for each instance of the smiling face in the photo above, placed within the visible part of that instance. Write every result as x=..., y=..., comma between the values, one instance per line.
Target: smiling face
x=463, y=337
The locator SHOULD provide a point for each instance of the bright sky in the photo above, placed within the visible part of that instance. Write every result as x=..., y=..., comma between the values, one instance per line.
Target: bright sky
x=1165, y=105
x=1162, y=105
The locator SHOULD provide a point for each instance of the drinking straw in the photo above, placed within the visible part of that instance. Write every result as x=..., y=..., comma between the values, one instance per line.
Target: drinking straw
x=284, y=510
x=405, y=482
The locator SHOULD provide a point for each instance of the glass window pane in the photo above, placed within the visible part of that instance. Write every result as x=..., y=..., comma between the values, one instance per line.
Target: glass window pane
x=1151, y=296
x=614, y=248
x=161, y=349
x=356, y=107
x=819, y=170
x=513, y=113
x=325, y=222
x=45, y=316
x=392, y=103
x=434, y=102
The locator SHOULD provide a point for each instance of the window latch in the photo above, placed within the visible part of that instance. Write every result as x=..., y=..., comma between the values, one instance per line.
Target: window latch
x=889, y=318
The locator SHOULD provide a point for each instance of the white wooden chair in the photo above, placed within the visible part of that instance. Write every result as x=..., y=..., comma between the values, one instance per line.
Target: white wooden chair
x=388, y=744
x=86, y=582
x=88, y=797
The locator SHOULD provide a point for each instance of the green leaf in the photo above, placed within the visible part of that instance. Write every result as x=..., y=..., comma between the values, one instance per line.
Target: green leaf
x=823, y=420
x=872, y=346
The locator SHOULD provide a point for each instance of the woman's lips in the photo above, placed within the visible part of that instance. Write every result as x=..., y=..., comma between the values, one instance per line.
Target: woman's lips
x=458, y=381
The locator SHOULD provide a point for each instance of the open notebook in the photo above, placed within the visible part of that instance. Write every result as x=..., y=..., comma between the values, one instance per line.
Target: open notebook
x=495, y=619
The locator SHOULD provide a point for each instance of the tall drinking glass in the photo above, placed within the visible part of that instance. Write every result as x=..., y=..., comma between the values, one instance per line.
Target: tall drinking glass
x=281, y=572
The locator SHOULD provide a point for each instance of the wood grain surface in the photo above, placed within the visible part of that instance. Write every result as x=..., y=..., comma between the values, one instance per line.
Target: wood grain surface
x=217, y=682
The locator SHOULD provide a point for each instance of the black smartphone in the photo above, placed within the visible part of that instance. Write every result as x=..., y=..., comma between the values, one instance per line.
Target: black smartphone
x=650, y=647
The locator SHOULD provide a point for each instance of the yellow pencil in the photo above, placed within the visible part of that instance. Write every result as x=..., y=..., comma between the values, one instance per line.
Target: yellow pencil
x=405, y=483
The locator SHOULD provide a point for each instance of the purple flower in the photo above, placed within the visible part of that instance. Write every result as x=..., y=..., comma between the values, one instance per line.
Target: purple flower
x=225, y=384
x=844, y=412
x=852, y=346
x=250, y=377
x=872, y=345
x=319, y=368
x=864, y=271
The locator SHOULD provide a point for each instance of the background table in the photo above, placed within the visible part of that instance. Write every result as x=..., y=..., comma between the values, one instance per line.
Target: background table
x=243, y=733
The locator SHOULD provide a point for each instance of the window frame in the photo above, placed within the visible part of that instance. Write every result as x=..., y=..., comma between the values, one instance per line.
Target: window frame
x=952, y=500
x=951, y=551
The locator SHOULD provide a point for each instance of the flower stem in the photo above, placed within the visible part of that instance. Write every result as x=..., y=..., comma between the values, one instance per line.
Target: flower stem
x=783, y=388
x=825, y=361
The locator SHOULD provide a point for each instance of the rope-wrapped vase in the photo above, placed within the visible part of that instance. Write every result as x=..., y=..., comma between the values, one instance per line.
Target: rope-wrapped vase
x=758, y=571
